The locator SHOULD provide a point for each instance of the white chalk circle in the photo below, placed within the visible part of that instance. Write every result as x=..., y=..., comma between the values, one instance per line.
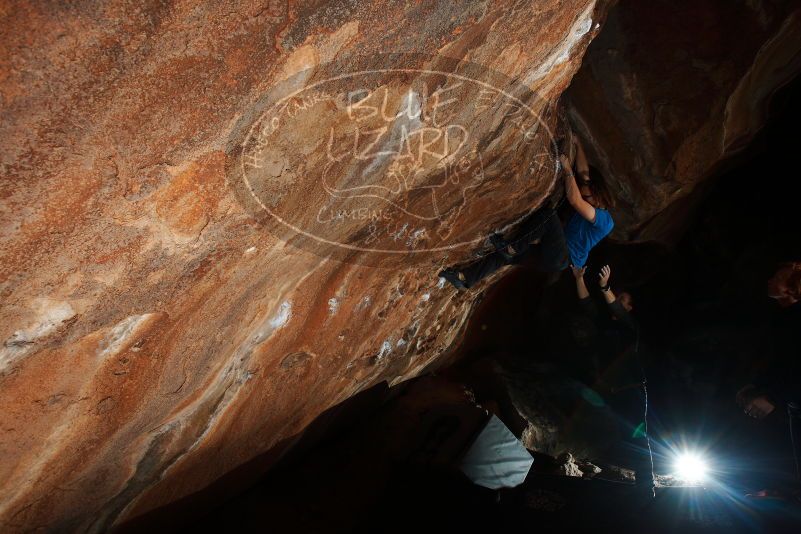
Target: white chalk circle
x=394, y=161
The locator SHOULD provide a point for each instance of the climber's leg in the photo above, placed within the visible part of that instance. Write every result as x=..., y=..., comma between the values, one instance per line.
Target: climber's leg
x=456, y=278
x=550, y=257
x=553, y=256
x=542, y=227
x=482, y=268
x=533, y=229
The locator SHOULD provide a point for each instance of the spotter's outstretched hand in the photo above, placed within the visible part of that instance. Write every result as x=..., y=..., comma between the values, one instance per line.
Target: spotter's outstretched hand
x=604, y=275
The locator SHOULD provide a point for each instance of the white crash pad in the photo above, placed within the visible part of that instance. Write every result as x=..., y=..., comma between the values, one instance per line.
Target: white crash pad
x=496, y=458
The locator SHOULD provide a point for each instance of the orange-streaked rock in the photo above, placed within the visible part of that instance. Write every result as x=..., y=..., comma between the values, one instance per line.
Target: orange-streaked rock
x=156, y=334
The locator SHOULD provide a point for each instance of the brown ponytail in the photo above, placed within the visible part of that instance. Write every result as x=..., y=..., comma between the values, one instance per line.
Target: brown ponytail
x=599, y=190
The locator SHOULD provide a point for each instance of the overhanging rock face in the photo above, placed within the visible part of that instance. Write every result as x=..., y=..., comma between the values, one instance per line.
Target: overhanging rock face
x=670, y=90
x=220, y=220
x=191, y=214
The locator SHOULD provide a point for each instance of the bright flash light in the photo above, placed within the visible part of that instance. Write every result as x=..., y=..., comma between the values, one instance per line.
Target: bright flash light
x=690, y=468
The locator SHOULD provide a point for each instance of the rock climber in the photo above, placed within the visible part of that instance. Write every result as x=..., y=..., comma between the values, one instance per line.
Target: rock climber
x=589, y=223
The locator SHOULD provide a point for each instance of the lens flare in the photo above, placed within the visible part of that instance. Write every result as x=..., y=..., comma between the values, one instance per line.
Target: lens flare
x=690, y=467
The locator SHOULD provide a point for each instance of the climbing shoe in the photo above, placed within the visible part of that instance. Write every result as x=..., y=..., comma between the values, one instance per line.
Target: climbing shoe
x=453, y=277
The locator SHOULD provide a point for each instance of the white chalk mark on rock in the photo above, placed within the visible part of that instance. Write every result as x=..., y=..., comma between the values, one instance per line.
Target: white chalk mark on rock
x=386, y=349
x=333, y=305
x=562, y=52
x=400, y=233
x=415, y=237
x=51, y=314
x=283, y=315
x=121, y=333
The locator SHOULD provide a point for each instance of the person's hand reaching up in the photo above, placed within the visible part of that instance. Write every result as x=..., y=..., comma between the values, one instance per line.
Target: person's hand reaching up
x=603, y=276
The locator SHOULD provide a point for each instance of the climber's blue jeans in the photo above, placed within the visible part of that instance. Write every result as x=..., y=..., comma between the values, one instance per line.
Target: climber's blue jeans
x=549, y=255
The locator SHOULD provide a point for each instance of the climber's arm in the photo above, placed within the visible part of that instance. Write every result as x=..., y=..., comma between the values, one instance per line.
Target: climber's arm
x=582, y=167
x=573, y=194
x=603, y=282
x=617, y=309
x=581, y=287
x=586, y=306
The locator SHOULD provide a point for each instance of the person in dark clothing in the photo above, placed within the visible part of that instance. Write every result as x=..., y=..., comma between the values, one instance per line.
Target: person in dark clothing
x=775, y=392
x=558, y=246
x=620, y=307
x=603, y=347
x=598, y=339
x=781, y=392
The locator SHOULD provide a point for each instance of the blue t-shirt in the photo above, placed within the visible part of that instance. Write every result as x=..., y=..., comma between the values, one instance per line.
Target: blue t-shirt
x=581, y=235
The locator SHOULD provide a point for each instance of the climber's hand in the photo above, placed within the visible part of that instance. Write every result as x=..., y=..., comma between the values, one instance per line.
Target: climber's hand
x=578, y=272
x=754, y=403
x=603, y=276
x=759, y=407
